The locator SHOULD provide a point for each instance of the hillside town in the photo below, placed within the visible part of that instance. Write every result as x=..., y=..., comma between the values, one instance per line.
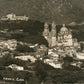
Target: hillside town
x=60, y=45
x=41, y=42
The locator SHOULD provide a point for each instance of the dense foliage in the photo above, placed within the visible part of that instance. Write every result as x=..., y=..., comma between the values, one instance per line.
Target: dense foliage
x=32, y=31
x=24, y=48
x=8, y=60
x=43, y=73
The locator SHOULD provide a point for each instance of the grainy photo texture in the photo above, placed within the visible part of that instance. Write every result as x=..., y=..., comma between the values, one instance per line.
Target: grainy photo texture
x=41, y=41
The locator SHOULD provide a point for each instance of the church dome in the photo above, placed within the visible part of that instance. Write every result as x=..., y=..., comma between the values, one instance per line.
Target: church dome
x=64, y=29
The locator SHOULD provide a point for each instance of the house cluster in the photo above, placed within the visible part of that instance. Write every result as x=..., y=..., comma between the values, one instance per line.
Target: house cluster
x=56, y=55
x=14, y=17
x=53, y=59
x=39, y=52
x=9, y=44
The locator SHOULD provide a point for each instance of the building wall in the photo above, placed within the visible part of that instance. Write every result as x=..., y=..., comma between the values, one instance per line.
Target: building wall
x=53, y=41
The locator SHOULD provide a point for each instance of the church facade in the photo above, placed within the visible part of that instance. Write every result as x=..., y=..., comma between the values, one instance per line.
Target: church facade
x=63, y=38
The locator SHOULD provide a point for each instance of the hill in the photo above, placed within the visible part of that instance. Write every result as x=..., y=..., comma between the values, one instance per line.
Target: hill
x=61, y=11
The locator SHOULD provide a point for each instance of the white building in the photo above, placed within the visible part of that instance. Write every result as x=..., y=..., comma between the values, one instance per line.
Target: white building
x=16, y=67
x=14, y=17
x=80, y=56
x=52, y=63
x=26, y=58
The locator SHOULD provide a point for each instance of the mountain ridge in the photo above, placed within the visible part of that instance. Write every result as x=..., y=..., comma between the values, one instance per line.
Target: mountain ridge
x=60, y=11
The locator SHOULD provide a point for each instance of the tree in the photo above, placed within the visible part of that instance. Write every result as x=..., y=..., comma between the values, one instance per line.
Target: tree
x=1, y=78
x=64, y=76
x=24, y=48
x=67, y=61
x=67, y=64
x=40, y=71
x=27, y=77
x=82, y=46
x=6, y=60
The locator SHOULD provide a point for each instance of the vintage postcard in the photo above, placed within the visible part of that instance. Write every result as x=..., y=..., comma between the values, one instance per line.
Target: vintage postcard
x=41, y=41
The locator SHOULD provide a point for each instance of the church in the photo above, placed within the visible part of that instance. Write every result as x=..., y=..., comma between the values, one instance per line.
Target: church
x=62, y=38
x=65, y=37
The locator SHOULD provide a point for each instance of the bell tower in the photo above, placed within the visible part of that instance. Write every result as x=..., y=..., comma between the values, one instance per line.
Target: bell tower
x=53, y=34
x=46, y=30
x=47, y=34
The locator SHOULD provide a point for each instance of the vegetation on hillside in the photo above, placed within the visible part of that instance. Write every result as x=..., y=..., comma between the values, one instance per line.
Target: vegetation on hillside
x=43, y=73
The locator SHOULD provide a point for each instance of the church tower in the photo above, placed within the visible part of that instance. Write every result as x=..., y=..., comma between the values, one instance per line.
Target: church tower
x=53, y=35
x=47, y=34
x=46, y=30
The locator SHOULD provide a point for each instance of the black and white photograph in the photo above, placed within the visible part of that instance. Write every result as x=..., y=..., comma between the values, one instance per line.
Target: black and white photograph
x=41, y=41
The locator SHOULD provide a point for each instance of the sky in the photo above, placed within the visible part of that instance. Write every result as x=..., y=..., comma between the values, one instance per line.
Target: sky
x=60, y=11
